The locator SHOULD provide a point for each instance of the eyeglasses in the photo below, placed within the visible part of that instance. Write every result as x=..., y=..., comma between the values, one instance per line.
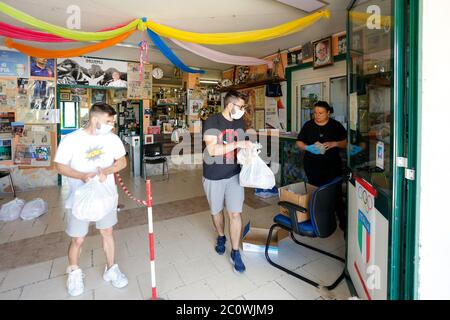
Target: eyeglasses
x=243, y=107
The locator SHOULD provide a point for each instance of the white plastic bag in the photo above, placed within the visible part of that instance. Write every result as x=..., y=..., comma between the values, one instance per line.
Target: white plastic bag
x=11, y=211
x=248, y=156
x=254, y=172
x=94, y=200
x=33, y=209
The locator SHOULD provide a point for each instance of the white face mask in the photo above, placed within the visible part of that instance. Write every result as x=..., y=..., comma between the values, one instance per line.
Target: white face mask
x=237, y=114
x=104, y=129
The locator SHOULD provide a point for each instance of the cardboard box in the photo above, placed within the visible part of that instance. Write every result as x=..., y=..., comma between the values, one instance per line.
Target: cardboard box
x=299, y=194
x=254, y=239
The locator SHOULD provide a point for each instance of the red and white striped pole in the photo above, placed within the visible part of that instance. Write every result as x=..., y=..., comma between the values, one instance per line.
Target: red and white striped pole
x=151, y=237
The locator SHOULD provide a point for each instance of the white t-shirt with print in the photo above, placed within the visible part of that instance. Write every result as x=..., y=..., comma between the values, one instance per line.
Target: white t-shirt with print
x=85, y=153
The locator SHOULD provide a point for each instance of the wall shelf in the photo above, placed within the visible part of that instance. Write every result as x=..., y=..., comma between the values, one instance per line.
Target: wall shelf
x=251, y=84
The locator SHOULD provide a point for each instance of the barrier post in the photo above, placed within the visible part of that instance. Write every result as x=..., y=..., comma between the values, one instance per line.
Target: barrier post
x=151, y=237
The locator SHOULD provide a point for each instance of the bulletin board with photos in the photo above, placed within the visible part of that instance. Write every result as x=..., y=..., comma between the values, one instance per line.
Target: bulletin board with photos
x=28, y=113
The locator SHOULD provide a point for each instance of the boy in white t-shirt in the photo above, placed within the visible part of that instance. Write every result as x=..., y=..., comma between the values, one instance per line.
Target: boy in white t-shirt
x=82, y=155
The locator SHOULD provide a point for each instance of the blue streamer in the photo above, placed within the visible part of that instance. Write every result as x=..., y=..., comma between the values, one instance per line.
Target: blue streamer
x=169, y=54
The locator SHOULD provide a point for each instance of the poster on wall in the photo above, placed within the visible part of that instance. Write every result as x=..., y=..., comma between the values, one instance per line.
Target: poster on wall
x=41, y=94
x=272, y=120
x=92, y=72
x=195, y=106
x=260, y=94
x=33, y=148
x=13, y=64
x=8, y=93
x=147, y=83
x=6, y=120
x=98, y=95
x=139, y=87
x=22, y=86
x=17, y=128
x=134, y=83
x=5, y=149
x=42, y=67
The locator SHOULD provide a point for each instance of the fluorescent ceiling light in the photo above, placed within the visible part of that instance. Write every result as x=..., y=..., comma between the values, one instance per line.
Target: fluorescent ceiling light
x=209, y=81
x=305, y=5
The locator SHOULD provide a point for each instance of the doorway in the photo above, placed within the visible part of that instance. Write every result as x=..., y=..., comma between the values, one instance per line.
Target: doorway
x=380, y=123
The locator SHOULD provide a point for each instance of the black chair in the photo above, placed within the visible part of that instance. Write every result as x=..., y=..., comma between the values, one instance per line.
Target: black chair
x=5, y=173
x=153, y=155
x=322, y=224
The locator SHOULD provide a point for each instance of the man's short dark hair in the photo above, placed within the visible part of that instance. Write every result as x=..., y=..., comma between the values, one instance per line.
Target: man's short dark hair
x=233, y=96
x=324, y=104
x=101, y=107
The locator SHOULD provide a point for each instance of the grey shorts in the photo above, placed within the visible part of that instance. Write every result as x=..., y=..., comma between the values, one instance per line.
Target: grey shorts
x=226, y=192
x=76, y=228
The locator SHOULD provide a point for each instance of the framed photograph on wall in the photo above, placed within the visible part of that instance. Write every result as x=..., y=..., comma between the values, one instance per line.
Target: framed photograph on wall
x=295, y=57
x=307, y=51
x=42, y=67
x=98, y=95
x=65, y=96
x=323, y=53
x=342, y=44
x=149, y=139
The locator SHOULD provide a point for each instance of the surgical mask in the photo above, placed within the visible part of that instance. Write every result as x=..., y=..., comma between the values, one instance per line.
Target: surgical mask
x=237, y=114
x=104, y=129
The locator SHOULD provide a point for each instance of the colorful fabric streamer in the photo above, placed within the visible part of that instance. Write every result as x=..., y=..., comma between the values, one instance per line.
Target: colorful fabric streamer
x=68, y=33
x=238, y=37
x=166, y=51
x=44, y=53
x=143, y=58
x=222, y=57
x=20, y=33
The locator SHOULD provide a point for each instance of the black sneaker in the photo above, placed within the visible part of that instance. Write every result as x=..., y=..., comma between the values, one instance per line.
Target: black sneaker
x=220, y=245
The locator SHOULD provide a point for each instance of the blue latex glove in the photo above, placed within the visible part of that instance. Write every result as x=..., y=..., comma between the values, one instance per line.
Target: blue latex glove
x=313, y=149
x=354, y=150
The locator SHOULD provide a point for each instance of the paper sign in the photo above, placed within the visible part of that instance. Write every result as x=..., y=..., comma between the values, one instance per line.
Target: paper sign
x=38, y=128
x=353, y=111
x=380, y=155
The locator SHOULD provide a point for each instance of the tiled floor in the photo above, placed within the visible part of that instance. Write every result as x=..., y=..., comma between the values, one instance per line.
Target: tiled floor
x=187, y=266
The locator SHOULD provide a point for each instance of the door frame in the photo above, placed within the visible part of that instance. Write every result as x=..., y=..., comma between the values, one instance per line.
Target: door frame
x=410, y=240
x=403, y=225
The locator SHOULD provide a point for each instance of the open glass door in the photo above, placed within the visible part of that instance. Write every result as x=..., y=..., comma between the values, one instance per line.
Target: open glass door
x=375, y=62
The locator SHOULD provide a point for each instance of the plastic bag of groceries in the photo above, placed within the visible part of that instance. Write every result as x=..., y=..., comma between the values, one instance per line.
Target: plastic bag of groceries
x=11, y=210
x=34, y=209
x=94, y=200
x=254, y=172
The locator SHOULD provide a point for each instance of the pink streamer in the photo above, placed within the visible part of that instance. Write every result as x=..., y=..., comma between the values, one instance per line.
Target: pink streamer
x=222, y=57
x=143, y=45
x=20, y=33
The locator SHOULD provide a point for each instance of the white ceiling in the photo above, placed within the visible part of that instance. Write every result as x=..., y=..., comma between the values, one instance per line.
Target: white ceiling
x=193, y=15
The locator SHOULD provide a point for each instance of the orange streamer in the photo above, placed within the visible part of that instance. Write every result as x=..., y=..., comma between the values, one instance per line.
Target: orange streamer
x=44, y=53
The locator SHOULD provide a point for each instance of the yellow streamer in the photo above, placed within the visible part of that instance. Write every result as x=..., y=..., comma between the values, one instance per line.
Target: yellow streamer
x=239, y=37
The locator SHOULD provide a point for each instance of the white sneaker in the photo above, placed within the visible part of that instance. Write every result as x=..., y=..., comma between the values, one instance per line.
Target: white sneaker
x=117, y=278
x=75, y=285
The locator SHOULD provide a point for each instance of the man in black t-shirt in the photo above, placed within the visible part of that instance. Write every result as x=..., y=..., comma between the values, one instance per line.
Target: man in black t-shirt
x=321, y=168
x=223, y=134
